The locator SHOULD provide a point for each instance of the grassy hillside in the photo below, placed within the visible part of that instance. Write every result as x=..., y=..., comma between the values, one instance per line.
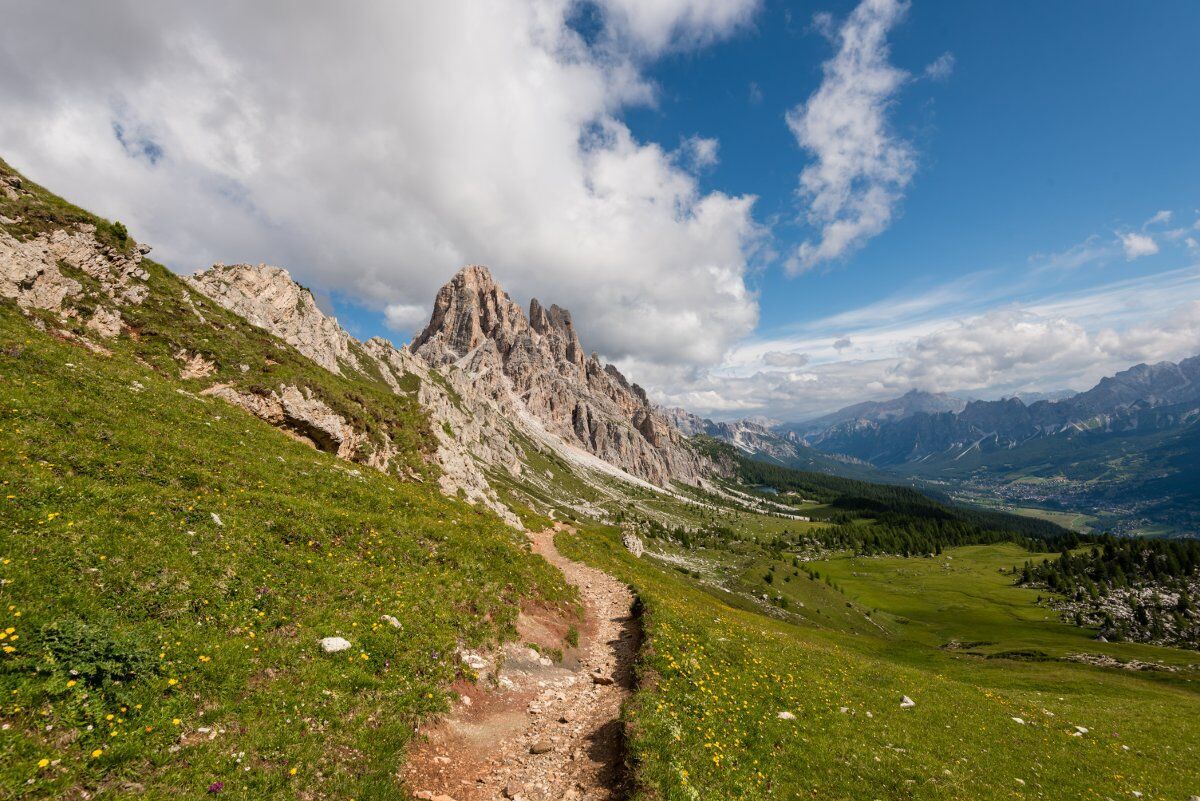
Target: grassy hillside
x=168, y=564
x=717, y=678
x=174, y=323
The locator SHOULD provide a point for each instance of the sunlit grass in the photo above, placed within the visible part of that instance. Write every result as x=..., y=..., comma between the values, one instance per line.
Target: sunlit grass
x=716, y=678
x=167, y=566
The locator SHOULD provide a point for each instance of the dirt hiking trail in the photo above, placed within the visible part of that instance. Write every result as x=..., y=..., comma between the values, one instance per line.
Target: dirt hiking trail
x=534, y=729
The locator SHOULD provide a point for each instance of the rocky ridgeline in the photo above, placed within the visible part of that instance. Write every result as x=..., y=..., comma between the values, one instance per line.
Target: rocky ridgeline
x=537, y=366
x=268, y=298
x=487, y=375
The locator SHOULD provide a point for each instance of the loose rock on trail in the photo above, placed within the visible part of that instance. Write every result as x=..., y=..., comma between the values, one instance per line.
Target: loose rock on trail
x=548, y=730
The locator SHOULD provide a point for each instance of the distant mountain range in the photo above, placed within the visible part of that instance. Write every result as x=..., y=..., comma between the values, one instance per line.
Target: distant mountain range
x=1124, y=452
x=776, y=445
x=906, y=405
x=1144, y=397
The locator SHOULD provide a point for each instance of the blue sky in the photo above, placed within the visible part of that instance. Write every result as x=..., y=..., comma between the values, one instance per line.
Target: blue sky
x=1059, y=121
x=997, y=197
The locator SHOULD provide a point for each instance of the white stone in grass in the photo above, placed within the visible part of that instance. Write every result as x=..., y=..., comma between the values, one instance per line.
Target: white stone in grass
x=391, y=621
x=786, y=716
x=1019, y=720
x=216, y=518
x=1081, y=730
x=473, y=661
x=332, y=645
x=906, y=702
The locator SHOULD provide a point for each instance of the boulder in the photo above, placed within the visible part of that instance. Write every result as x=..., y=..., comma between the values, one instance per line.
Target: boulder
x=473, y=660
x=332, y=645
x=906, y=702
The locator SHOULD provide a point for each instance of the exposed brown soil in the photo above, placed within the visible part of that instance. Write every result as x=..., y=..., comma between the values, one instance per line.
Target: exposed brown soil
x=546, y=731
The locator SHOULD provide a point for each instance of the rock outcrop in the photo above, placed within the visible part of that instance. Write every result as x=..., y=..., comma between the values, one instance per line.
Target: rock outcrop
x=308, y=418
x=268, y=298
x=468, y=439
x=53, y=270
x=538, y=364
x=633, y=543
x=471, y=433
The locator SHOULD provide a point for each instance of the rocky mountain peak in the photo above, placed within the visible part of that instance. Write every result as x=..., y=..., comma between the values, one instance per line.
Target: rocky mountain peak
x=468, y=311
x=556, y=324
x=536, y=364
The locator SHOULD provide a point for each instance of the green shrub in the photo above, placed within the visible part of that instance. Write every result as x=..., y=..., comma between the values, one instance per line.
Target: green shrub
x=92, y=654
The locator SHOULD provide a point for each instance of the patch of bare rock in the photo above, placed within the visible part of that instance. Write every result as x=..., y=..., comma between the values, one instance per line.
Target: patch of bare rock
x=49, y=271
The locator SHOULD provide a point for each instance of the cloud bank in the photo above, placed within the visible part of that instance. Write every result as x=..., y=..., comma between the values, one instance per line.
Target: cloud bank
x=375, y=148
x=957, y=338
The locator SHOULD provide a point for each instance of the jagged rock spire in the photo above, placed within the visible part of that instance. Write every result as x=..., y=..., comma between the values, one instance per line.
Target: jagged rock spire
x=546, y=370
x=469, y=310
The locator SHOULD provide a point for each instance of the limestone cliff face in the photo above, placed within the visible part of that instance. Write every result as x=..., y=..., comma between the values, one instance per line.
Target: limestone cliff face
x=69, y=269
x=537, y=363
x=268, y=298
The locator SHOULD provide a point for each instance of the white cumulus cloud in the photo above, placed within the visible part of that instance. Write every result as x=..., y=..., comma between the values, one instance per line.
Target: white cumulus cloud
x=860, y=167
x=405, y=318
x=374, y=148
x=1138, y=245
x=658, y=25
x=699, y=152
x=779, y=358
x=941, y=67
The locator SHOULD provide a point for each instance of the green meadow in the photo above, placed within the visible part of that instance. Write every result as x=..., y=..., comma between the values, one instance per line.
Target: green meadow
x=168, y=564
x=966, y=596
x=741, y=704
